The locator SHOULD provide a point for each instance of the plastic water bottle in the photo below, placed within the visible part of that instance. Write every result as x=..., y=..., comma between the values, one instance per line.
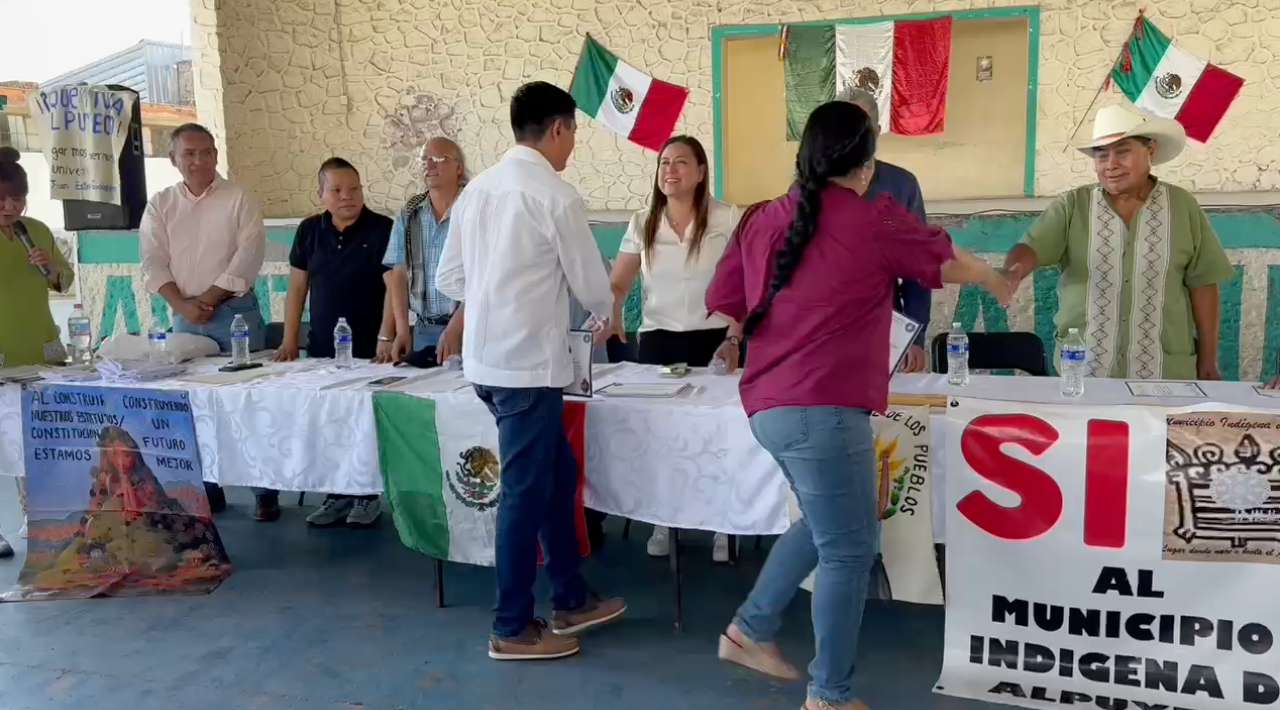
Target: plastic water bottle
x=158, y=340
x=342, y=344
x=81, y=334
x=1071, y=364
x=453, y=362
x=957, y=356
x=239, y=341
x=719, y=366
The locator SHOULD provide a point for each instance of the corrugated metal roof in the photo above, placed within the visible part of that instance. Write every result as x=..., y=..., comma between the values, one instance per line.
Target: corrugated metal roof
x=146, y=67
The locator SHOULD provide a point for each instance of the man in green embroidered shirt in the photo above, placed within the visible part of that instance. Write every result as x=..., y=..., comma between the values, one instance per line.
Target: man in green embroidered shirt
x=1140, y=263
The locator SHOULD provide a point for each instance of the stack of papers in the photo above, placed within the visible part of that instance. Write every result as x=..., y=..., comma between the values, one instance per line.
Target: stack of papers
x=20, y=375
x=77, y=373
x=130, y=371
x=658, y=390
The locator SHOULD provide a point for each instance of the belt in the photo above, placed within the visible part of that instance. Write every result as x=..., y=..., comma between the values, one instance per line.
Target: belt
x=434, y=320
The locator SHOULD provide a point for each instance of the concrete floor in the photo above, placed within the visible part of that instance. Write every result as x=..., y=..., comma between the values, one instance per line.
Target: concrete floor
x=346, y=620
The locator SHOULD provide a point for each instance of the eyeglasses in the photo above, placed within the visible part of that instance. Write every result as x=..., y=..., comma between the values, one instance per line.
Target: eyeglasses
x=435, y=159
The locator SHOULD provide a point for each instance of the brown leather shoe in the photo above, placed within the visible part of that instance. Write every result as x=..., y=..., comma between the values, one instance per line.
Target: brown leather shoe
x=533, y=644
x=764, y=658
x=596, y=612
x=267, y=509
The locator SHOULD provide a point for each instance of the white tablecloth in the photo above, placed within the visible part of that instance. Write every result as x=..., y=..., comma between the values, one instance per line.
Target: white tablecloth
x=688, y=462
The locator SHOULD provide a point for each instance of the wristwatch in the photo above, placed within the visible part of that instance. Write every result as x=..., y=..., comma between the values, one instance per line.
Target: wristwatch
x=733, y=340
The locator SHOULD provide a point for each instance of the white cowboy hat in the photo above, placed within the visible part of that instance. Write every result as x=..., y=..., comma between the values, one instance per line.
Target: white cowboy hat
x=1115, y=123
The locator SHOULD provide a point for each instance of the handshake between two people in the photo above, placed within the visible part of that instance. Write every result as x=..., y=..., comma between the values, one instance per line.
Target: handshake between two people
x=1001, y=282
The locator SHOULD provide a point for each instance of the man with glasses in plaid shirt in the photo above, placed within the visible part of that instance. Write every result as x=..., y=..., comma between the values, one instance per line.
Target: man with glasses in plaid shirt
x=424, y=317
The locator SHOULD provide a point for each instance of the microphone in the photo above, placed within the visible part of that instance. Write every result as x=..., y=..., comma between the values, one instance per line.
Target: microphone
x=20, y=231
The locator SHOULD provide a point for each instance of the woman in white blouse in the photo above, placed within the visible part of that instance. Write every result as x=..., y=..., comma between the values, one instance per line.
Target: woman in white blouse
x=677, y=243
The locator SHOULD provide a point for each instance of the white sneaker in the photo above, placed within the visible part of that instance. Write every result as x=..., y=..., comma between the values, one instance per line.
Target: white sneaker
x=720, y=548
x=332, y=511
x=364, y=512
x=660, y=542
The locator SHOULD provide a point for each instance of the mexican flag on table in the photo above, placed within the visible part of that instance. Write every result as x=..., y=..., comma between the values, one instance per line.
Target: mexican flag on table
x=1170, y=82
x=626, y=100
x=905, y=65
x=442, y=474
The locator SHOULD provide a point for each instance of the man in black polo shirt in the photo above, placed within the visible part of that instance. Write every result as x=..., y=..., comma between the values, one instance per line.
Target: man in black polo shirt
x=337, y=256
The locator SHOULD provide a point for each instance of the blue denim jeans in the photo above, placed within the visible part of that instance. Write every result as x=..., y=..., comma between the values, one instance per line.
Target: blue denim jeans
x=426, y=335
x=218, y=328
x=828, y=456
x=539, y=485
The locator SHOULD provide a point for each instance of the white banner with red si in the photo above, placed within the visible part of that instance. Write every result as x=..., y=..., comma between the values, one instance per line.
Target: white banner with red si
x=1117, y=558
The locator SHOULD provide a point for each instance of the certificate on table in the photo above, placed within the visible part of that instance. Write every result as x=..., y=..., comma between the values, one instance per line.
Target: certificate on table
x=580, y=346
x=1154, y=388
x=902, y=333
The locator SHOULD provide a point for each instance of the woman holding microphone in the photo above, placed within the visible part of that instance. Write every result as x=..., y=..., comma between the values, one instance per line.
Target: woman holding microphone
x=676, y=243
x=812, y=276
x=27, y=333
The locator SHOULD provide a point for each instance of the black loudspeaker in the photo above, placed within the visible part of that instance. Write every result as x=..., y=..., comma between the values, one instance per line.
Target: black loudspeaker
x=83, y=214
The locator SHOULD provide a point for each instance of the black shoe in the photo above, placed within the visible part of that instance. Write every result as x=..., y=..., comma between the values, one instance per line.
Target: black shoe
x=217, y=499
x=268, y=509
x=5, y=549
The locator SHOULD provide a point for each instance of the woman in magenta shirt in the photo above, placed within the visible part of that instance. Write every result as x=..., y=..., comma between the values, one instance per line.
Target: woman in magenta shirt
x=812, y=276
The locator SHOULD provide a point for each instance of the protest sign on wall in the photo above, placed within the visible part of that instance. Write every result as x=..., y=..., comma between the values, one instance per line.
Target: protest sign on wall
x=1117, y=558
x=83, y=130
x=115, y=501
x=907, y=568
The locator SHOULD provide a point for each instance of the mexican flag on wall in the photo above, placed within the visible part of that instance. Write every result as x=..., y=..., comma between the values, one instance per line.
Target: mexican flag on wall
x=442, y=475
x=629, y=102
x=905, y=65
x=1170, y=82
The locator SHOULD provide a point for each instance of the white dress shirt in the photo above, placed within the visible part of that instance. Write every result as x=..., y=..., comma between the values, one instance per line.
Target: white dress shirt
x=518, y=242
x=197, y=241
x=675, y=286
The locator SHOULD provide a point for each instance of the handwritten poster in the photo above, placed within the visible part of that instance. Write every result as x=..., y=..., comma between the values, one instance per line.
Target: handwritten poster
x=83, y=130
x=115, y=501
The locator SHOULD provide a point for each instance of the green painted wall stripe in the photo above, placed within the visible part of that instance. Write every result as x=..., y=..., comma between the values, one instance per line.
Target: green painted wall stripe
x=281, y=235
x=1231, y=295
x=1033, y=85
x=985, y=234
x=121, y=247
x=120, y=297
x=108, y=248
x=1271, y=344
x=609, y=236
x=1045, y=284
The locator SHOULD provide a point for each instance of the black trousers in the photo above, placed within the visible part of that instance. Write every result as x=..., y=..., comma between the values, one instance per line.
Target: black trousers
x=692, y=347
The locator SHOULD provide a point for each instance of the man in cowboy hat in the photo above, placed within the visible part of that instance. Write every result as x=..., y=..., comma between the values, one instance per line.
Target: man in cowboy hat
x=1140, y=263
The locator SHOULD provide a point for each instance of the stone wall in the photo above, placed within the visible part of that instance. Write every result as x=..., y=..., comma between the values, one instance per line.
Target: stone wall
x=299, y=80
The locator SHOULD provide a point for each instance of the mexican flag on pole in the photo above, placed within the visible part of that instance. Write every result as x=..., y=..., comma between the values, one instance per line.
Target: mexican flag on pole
x=442, y=474
x=626, y=100
x=1170, y=82
x=905, y=65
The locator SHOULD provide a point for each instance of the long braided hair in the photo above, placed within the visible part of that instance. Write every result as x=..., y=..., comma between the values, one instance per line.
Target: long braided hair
x=838, y=138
